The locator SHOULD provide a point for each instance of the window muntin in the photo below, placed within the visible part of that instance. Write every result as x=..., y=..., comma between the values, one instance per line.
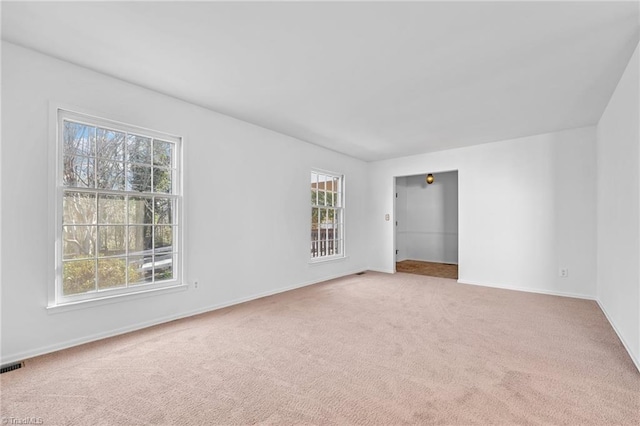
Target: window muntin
x=327, y=215
x=119, y=204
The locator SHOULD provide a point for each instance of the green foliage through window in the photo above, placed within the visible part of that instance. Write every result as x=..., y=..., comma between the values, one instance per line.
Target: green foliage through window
x=119, y=205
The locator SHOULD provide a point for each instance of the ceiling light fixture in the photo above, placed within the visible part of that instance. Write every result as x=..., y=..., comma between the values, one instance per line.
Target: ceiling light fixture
x=430, y=179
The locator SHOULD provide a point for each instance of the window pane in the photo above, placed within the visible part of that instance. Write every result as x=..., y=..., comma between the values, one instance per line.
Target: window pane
x=331, y=227
x=163, y=267
x=110, y=175
x=138, y=149
x=138, y=178
x=78, y=207
x=314, y=218
x=140, y=240
x=338, y=231
x=162, y=153
x=79, y=139
x=78, y=276
x=140, y=269
x=78, y=172
x=112, y=240
x=112, y=209
x=78, y=241
x=110, y=144
x=330, y=247
x=163, y=210
x=140, y=210
x=314, y=197
x=330, y=198
x=112, y=273
x=163, y=238
x=162, y=180
x=314, y=232
x=323, y=217
x=322, y=234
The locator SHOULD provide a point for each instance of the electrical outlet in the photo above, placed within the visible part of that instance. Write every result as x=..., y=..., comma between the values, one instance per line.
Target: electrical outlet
x=563, y=273
x=195, y=284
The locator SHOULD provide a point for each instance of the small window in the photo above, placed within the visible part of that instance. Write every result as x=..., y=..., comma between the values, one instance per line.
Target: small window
x=118, y=205
x=327, y=215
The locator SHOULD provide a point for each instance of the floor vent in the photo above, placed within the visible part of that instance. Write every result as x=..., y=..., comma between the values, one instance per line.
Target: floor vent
x=360, y=273
x=10, y=367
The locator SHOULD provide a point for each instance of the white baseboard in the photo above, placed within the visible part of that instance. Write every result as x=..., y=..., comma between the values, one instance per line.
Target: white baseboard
x=384, y=271
x=139, y=326
x=528, y=290
x=635, y=361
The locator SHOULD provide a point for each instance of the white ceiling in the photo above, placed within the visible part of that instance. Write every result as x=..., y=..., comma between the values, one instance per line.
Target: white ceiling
x=371, y=80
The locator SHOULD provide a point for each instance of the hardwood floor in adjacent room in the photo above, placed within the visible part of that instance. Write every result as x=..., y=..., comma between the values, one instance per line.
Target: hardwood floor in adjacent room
x=432, y=269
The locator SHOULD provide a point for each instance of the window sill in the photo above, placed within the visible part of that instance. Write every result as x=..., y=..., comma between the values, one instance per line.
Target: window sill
x=327, y=259
x=89, y=303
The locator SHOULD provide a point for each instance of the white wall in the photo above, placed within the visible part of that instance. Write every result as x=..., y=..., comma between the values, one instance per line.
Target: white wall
x=246, y=201
x=428, y=218
x=526, y=208
x=401, y=217
x=618, y=177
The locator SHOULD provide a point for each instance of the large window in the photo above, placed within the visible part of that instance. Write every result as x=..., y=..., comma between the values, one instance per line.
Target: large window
x=118, y=205
x=327, y=215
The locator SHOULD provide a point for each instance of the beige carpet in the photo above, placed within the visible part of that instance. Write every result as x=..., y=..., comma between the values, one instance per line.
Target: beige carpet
x=432, y=269
x=370, y=349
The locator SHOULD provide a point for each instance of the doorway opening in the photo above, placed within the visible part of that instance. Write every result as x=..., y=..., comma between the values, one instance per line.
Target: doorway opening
x=426, y=228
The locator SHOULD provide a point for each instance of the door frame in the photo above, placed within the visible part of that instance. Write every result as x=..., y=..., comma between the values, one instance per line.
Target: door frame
x=394, y=246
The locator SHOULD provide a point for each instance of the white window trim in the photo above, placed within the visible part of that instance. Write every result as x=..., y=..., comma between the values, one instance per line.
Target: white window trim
x=59, y=303
x=89, y=303
x=343, y=252
x=327, y=259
